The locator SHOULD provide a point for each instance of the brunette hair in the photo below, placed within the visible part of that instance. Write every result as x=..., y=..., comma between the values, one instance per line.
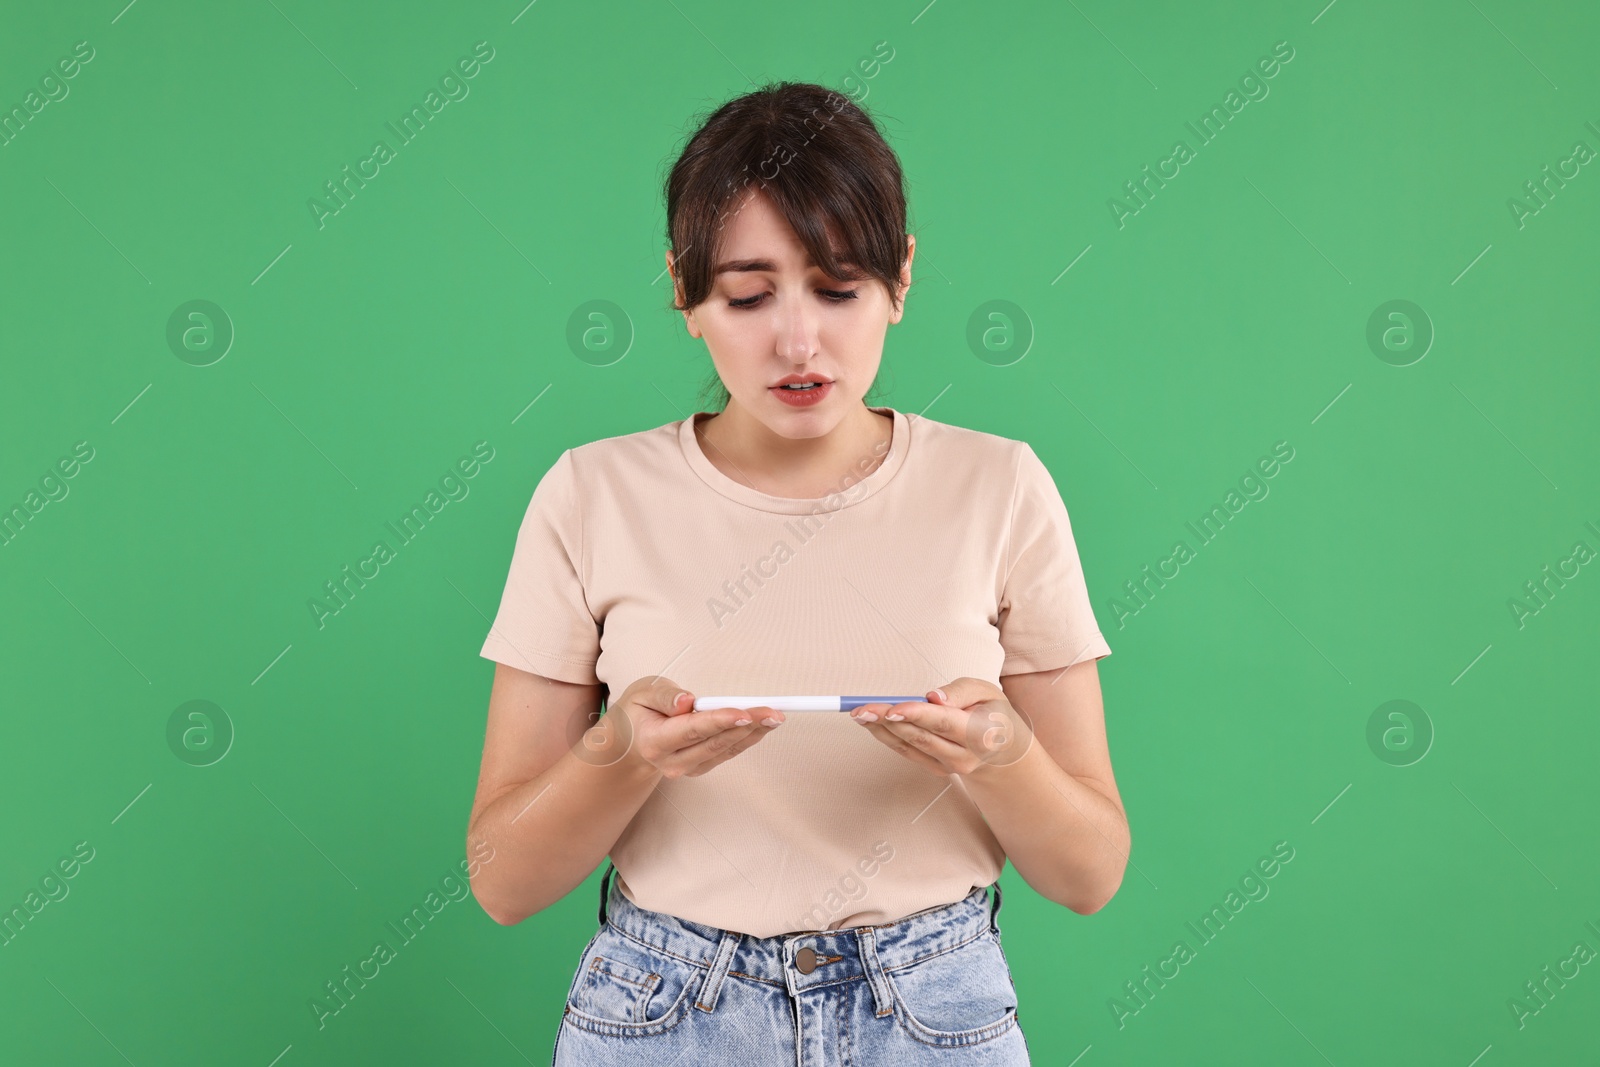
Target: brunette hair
x=820, y=159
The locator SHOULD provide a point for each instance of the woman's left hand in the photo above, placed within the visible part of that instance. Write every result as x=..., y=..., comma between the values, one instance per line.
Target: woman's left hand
x=966, y=726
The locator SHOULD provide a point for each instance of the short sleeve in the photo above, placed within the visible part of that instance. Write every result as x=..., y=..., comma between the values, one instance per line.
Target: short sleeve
x=1045, y=619
x=544, y=624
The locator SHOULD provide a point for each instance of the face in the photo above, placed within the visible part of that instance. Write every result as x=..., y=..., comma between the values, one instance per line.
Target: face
x=773, y=316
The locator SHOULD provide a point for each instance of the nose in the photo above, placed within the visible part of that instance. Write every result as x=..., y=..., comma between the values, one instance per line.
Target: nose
x=797, y=331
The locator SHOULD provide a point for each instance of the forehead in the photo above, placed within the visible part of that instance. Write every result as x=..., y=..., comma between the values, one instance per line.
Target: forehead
x=759, y=238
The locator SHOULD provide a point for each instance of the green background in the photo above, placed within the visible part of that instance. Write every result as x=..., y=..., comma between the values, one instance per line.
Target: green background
x=1229, y=314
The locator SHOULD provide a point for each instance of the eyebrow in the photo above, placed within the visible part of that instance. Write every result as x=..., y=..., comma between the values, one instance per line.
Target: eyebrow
x=767, y=265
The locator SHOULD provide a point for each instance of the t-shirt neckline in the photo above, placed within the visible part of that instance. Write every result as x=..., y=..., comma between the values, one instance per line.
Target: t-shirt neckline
x=848, y=493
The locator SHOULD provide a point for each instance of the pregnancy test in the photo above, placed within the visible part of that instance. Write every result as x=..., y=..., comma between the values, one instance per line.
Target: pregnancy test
x=801, y=703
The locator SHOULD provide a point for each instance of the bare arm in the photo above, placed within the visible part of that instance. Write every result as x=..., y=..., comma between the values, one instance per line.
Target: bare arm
x=1057, y=811
x=550, y=814
x=556, y=790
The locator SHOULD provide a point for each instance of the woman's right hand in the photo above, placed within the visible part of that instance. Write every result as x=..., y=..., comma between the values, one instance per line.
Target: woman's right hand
x=667, y=734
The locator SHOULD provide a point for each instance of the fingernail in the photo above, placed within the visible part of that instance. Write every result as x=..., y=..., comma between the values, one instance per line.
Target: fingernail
x=894, y=716
x=741, y=722
x=867, y=716
x=940, y=694
x=770, y=721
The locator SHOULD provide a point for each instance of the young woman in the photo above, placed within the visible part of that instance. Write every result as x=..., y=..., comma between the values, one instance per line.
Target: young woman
x=805, y=888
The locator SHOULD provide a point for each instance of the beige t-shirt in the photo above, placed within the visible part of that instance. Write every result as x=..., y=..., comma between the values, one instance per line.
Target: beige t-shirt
x=955, y=557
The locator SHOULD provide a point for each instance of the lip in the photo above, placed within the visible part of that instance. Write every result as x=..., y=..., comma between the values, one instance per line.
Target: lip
x=799, y=379
x=803, y=398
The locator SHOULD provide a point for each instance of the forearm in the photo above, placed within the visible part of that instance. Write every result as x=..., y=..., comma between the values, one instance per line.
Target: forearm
x=1068, y=840
x=550, y=833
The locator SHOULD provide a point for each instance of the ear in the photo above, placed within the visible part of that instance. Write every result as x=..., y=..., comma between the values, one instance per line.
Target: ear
x=895, y=314
x=677, y=293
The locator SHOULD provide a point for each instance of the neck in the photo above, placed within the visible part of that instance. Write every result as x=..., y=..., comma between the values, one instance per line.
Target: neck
x=748, y=451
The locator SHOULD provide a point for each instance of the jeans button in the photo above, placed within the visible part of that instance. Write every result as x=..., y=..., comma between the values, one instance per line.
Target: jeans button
x=806, y=960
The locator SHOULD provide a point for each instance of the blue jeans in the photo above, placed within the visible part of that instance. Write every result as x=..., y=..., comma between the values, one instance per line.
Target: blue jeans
x=658, y=991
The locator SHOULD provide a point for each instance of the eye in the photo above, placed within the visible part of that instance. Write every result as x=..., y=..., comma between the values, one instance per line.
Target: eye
x=833, y=296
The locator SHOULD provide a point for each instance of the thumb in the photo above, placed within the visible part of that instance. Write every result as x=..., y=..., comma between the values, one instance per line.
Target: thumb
x=668, y=697
x=964, y=693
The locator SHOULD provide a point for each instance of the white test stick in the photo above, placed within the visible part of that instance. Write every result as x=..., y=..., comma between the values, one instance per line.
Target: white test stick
x=801, y=703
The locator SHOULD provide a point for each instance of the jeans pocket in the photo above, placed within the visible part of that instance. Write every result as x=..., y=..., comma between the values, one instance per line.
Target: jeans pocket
x=628, y=989
x=963, y=996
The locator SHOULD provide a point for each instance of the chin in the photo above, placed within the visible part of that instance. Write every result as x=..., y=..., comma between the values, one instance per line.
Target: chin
x=802, y=425
x=801, y=422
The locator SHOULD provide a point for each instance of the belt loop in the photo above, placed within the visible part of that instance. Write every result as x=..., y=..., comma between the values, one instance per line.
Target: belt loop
x=605, y=890
x=707, y=1000
x=867, y=943
x=994, y=909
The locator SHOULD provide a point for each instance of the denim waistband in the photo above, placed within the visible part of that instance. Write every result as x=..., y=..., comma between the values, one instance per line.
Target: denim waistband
x=839, y=955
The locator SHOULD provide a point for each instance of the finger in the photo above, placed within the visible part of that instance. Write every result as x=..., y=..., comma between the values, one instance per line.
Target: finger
x=684, y=731
x=951, y=756
x=697, y=758
x=948, y=722
x=703, y=757
x=896, y=744
x=754, y=714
